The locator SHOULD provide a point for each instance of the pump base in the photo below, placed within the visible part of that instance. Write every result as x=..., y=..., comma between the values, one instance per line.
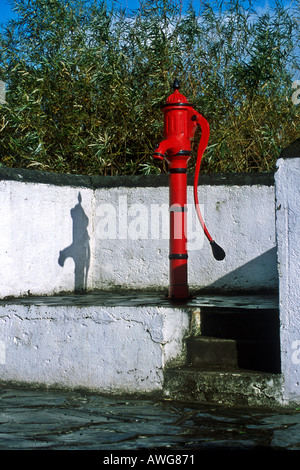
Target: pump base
x=178, y=292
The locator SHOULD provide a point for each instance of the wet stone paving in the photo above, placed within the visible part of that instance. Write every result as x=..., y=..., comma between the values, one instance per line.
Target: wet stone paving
x=73, y=420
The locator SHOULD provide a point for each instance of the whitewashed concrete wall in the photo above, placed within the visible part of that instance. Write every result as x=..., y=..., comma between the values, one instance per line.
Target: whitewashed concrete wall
x=241, y=218
x=36, y=224
x=109, y=234
x=112, y=349
x=288, y=230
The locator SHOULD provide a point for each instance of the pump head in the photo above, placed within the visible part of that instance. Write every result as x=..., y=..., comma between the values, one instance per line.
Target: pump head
x=180, y=123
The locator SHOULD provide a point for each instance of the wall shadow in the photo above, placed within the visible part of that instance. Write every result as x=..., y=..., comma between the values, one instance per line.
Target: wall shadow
x=79, y=250
x=261, y=270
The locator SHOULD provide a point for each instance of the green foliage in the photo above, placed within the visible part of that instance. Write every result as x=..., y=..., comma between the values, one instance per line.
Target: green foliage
x=85, y=83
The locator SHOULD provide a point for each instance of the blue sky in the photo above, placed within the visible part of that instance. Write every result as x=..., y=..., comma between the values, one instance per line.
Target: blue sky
x=6, y=11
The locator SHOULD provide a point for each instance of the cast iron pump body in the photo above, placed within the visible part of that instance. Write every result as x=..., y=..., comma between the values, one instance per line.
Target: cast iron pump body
x=180, y=123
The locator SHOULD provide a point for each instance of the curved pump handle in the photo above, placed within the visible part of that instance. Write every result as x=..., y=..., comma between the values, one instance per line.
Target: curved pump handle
x=218, y=252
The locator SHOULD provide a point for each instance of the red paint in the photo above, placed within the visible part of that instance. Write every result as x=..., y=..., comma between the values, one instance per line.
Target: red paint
x=180, y=122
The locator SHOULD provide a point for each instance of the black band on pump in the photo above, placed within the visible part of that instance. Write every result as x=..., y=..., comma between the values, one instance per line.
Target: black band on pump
x=168, y=105
x=178, y=256
x=187, y=153
x=177, y=170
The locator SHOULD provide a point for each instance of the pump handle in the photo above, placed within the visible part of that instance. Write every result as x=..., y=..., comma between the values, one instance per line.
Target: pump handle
x=218, y=252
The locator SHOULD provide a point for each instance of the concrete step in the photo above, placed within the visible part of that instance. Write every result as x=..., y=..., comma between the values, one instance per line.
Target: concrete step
x=205, y=352
x=237, y=336
x=233, y=359
x=217, y=386
x=116, y=343
x=261, y=355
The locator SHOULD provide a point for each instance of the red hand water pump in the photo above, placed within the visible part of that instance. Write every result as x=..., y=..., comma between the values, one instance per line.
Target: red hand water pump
x=180, y=122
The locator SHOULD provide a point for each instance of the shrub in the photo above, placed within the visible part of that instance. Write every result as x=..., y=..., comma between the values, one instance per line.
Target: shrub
x=85, y=83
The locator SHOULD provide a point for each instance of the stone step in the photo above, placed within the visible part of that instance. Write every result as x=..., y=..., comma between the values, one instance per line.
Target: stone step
x=93, y=341
x=230, y=387
x=211, y=352
x=261, y=355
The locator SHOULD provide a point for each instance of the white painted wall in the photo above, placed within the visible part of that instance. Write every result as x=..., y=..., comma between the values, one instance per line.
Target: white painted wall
x=287, y=180
x=128, y=246
x=240, y=218
x=112, y=349
x=36, y=224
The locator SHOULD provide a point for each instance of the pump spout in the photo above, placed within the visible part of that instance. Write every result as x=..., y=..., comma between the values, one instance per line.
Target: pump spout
x=161, y=150
x=172, y=145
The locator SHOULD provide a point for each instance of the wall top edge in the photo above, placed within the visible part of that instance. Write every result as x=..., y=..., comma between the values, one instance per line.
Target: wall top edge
x=98, y=182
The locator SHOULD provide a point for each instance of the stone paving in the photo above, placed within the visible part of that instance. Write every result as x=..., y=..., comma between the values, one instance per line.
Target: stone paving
x=39, y=419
